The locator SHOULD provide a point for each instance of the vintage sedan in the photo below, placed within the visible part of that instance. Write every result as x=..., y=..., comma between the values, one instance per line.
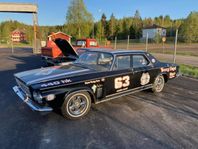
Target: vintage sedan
x=97, y=76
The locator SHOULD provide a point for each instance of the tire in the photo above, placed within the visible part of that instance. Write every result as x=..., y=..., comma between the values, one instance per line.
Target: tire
x=158, y=84
x=76, y=105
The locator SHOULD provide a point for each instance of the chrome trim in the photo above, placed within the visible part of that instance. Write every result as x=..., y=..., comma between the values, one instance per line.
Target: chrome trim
x=29, y=102
x=129, y=90
x=121, y=95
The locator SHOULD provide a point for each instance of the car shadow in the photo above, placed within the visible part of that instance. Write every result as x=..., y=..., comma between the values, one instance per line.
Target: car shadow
x=165, y=101
x=16, y=124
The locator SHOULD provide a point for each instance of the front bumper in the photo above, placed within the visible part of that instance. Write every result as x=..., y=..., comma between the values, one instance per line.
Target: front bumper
x=34, y=106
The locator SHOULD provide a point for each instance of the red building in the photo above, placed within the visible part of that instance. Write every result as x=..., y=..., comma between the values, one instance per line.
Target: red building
x=18, y=36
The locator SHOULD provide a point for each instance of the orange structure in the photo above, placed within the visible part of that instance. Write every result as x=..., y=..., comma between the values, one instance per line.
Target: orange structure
x=51, y=49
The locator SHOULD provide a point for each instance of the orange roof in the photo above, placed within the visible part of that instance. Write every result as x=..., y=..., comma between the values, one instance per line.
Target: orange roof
x=59, y=33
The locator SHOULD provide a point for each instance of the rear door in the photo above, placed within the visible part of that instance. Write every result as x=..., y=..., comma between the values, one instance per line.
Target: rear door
x=143, y=70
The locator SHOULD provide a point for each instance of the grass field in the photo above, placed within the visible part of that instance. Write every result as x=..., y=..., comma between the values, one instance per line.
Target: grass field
x=189, y=70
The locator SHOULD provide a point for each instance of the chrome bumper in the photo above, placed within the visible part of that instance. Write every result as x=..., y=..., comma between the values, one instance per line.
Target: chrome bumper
x=34, y=106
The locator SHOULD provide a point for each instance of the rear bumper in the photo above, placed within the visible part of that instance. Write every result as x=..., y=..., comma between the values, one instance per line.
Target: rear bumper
x=34, y=106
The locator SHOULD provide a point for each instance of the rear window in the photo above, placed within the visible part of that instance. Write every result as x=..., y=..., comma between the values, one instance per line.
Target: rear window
x=139, y=61
x=122, y=62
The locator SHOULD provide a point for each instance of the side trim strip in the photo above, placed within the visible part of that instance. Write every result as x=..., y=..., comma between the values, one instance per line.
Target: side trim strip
x=110, y=97
x=141, y=87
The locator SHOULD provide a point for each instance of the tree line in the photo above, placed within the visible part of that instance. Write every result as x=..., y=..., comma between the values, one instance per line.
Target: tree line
x=80, y=24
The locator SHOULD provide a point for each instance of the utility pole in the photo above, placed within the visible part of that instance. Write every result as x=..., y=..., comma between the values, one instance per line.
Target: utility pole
x=175, y=51
x=146, y=42
x=12, y=47
x=93, y=30
x=115, y=45
x=35, y=22
x=128, y=42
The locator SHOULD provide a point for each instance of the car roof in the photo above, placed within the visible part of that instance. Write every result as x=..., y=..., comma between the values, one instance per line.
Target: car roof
x=118, y=51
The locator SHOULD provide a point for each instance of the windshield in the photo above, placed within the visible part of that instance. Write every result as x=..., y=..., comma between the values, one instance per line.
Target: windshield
x=81, y=43
x=96, y=60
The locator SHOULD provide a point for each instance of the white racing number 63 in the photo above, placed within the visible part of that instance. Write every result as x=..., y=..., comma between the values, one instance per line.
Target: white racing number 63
x=121, y=82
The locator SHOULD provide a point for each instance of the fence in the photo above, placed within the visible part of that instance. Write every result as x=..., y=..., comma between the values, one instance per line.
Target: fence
x=6, y=42
x=167, y=47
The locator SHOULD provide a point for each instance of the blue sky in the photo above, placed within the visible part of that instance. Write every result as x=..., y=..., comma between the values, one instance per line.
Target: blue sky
x=53, y=12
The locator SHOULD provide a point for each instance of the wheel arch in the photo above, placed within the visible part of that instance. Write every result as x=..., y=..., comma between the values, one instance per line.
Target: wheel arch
x=165, y=75
x=85, y=89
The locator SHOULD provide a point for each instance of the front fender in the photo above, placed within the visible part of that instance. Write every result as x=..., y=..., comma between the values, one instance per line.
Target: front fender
x=86, y=89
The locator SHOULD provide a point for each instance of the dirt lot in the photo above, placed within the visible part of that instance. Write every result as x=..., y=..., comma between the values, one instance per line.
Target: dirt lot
x=141, y=120
x=182, y=48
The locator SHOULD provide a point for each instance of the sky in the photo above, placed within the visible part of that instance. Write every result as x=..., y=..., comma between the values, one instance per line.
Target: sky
x=53, y=12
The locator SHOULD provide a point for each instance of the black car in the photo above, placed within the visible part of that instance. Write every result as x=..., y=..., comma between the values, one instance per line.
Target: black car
x=97, y=76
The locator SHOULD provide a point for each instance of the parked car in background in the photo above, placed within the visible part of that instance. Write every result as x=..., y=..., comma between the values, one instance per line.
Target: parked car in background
x=86, y=43
x=96, y=76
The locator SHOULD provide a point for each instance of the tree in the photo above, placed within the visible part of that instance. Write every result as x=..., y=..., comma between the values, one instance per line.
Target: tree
x=137, y=24
x=79, y=21
x=104, y=25
x=112, y=24
x=99, y=30
x=137, y=15
x=189, y=29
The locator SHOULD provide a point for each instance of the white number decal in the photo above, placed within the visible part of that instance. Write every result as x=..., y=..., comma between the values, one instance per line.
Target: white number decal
x=126, y=80
x=122, y=82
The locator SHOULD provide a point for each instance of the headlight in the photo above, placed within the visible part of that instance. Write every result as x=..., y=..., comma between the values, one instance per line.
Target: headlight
x=37, y=96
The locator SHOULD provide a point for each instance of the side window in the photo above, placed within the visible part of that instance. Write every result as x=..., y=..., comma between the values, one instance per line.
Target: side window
x=122, y=62
x=105, y=60
x=139, y=61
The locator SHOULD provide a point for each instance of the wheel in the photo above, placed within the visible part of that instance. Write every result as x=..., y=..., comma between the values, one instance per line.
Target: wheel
x=76, y=105
x=158, y=84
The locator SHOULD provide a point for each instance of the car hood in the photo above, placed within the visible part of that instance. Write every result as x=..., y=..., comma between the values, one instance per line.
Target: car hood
x=66, y=48
x=51, y=73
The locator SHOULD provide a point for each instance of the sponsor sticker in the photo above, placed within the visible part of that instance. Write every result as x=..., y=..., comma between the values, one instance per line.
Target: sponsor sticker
x=145, y=79
x=92, y=82
x=55, y=83
x=168, y=69
x=172, y=75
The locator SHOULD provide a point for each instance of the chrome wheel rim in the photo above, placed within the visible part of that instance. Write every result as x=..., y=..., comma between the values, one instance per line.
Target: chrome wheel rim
x=77, y=105
x=159, y=83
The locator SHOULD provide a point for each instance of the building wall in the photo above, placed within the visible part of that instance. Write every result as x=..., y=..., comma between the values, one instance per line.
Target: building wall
x=152, y=32
x=18, y=36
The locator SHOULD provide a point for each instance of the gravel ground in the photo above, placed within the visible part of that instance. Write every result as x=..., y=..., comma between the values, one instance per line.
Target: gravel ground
x=142, y=120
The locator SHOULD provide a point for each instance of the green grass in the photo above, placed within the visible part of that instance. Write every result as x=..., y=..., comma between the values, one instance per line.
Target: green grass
x=189, y=70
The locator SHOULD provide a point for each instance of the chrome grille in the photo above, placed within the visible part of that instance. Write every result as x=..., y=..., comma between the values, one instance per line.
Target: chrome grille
x=23, y=87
